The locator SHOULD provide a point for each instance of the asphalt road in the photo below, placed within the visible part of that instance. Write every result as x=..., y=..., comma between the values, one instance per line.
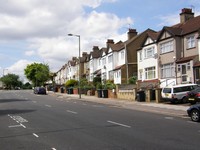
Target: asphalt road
x=46, y=122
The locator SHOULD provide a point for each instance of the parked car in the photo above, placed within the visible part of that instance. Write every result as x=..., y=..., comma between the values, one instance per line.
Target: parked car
x=177, y=93
x=193, y=96
x=40, y=90
x=194, y=112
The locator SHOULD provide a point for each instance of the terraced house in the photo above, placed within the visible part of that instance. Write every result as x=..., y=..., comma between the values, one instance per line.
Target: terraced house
x=177, y=54
x=158, y=59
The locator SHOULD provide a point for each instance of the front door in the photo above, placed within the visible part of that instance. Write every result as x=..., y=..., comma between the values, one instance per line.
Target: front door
x=184, y=73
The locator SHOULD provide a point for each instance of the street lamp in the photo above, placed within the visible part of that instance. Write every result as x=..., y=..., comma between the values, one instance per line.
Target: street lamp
x=79, y=80
x=4, y=71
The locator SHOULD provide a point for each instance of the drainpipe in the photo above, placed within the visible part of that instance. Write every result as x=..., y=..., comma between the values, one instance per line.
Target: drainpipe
x=126, y=62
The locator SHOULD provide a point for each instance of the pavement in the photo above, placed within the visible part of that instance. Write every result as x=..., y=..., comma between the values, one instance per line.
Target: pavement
x=178, y=110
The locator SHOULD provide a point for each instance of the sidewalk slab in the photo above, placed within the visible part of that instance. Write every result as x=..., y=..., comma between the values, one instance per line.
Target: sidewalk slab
x=161, y=108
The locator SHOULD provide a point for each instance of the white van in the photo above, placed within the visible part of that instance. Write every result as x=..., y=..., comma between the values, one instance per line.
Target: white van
x=177, y=93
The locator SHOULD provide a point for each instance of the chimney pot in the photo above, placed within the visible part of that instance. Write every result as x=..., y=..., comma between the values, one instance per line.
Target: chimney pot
x=186, y=14
x=131, y=33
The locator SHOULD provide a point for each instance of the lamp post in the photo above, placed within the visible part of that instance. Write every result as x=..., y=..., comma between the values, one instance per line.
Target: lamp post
x=79, y=80
x=4, y=72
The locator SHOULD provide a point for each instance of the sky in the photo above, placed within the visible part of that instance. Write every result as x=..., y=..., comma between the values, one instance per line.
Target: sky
x=37, y=30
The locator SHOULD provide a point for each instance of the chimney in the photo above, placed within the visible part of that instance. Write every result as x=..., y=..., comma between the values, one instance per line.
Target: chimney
x=186, y=14
x=131, y=33
x=84, y=54
x=95, y=48
x=109, y=41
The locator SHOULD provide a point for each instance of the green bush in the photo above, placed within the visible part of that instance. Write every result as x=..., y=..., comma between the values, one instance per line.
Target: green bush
x=109, y=85
x=96, y=80
x=132, y=80
x=71, y=83
x=98, y=85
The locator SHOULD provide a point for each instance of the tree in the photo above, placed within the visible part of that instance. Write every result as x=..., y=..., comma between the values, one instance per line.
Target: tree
x=11, y=81
x=37, y=73
x=27, y=85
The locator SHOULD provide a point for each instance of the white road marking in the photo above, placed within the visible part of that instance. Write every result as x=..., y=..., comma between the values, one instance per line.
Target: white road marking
x=75, y=102
x=116, y=123
x=73, y=112
x=23, y=125
x=53, y=149
x=14, y=126
x=35, y=135
x=97, y=106
x=48, y=106
x=34, y=101
x=169, y=118
x=84, y=104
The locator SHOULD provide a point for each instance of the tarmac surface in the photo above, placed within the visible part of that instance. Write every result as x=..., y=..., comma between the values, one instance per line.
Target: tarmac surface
x=178, y=110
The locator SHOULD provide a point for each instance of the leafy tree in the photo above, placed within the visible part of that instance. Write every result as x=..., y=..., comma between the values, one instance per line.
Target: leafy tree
x=27, y=85
x=37, y=73
x=11, y=81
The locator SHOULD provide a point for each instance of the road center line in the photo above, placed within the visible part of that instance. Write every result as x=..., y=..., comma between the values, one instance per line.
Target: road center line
x=116, y=123
x=48, y=106
x=35, y=135
x=73, y=112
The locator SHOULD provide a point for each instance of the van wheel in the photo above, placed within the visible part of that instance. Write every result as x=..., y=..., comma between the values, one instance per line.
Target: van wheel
x=184, y=100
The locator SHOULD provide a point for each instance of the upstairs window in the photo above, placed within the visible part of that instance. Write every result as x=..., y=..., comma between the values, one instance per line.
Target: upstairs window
x=149, y=52
x=190, y=42
x=166, y=47
x=110, y=59
x=104, y=61
x=140, y=55
x=99, y=62
x=122, y=55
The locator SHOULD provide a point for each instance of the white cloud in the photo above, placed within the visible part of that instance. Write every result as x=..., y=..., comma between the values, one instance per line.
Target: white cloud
x=44, y=25
x=30, y=53
x=18, y=69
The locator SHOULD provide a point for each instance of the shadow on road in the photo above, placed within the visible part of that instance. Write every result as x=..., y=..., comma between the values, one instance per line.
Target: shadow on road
x=11, y=100
x=14, y=111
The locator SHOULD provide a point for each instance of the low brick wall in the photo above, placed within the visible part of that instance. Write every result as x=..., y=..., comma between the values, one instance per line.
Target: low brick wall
x=127, y=92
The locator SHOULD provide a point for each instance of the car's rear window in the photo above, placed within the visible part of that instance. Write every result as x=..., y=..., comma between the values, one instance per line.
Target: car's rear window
x=167, y=90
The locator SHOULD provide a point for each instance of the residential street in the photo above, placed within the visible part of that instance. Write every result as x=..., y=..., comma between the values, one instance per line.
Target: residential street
x=64, y=122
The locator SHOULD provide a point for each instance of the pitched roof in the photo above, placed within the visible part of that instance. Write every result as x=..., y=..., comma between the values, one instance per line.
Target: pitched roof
x=117, y=46
x=186, y=59
x=181, y=29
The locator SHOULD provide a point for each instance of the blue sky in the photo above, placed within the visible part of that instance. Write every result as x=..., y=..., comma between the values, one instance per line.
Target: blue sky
x=36, y=31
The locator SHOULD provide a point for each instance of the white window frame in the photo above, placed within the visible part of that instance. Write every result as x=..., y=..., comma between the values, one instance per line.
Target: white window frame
x=140, y=55
x=122, y=55
x=150, y=73
x=104, y=61
x=166, y=47
x=110, y=58
x=167, y=70
x=149, y=52
x=190, y=42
